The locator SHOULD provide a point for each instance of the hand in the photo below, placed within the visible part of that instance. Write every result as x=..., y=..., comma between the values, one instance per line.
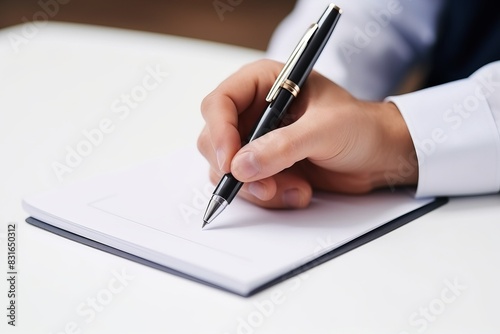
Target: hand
x=332, y=141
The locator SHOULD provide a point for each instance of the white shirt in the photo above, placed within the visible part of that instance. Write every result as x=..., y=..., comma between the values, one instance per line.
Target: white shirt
x=455, y=127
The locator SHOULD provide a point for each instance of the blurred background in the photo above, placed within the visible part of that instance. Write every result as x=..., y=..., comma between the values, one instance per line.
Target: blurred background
x=247, y=23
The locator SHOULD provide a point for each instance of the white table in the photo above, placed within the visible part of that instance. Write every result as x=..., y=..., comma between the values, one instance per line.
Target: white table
x=65, y=83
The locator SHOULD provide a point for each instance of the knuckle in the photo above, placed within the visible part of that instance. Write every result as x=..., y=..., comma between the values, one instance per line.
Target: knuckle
x=288, y=148
x=206, y=103
x=203, y=142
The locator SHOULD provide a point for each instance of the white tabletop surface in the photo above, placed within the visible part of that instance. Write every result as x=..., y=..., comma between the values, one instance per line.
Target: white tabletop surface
x=59, y=82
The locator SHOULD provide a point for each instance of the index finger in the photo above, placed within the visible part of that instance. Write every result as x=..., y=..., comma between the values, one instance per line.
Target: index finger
x=232, y=108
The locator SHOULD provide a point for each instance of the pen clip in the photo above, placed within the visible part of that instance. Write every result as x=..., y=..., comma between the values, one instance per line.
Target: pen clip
x=290, y=63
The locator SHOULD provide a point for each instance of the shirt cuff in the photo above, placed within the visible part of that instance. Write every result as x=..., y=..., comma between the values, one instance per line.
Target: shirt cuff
x=455, y=138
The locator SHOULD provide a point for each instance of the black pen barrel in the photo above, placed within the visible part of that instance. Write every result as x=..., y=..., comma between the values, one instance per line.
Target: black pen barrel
x=306, y=62
x=273, y=116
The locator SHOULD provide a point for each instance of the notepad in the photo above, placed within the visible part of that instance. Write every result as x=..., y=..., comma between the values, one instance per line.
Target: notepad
x=152, y=213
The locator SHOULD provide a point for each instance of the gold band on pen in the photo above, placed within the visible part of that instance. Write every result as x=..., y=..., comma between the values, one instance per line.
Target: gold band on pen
x=290, y=64
x=292, y=87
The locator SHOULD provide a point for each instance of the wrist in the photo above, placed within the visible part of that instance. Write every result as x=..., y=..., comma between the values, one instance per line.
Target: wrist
x=398, y=163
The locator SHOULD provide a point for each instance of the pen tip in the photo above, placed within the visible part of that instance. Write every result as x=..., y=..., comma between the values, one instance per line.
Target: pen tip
x=215, y=206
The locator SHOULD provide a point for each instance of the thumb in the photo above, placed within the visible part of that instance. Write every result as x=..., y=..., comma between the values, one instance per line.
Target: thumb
x=270, y=154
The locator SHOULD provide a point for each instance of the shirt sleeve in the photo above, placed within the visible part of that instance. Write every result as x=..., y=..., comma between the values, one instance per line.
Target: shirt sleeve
x=455, y=129
x=373, y=46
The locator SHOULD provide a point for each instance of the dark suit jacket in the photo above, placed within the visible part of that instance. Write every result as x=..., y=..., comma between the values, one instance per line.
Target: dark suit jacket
x=469, y=38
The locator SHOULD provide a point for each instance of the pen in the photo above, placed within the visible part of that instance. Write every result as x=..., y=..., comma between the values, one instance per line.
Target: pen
x=285, y=89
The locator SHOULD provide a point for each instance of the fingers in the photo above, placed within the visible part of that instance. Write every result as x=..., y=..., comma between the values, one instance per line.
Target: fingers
x=329, y=141
x=317, y=123
x=275, y=152
x=287, y=190
x=231, y=110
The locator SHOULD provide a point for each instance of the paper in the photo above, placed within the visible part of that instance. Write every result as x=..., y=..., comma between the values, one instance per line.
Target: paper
x=155, y=210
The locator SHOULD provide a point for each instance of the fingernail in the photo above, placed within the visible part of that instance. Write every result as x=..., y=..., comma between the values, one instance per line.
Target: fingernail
x=245, y=165
x=257, y=189
x=221, y=158
x=291, y=198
